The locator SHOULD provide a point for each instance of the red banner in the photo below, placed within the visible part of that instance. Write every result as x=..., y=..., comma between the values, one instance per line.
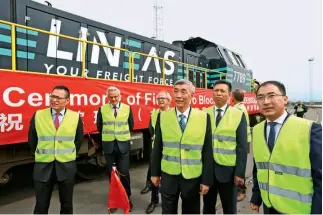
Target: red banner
x=22, y=94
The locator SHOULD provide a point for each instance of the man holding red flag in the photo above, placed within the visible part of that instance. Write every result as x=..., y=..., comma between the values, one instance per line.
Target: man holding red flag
x=114, y=123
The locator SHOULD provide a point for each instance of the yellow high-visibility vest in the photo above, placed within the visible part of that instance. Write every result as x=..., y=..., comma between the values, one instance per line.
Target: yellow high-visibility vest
x=182, y=152
x=284, y=176
x=224, y=136
x=243, y=108
x=115, y=127
x=154, y=115
x=55, y=144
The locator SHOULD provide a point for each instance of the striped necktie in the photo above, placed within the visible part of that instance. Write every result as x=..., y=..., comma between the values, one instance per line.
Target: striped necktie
x=182, y=123
x=218, y=117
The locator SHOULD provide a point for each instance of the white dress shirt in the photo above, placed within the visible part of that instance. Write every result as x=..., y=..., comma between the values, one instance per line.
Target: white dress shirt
x=223, y=108
x=280, y=121
x=117, y=107
x=186, y=113
x=60, y=117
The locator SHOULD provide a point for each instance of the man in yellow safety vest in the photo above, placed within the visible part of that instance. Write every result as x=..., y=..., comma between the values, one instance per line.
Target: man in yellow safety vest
x=300, y=109
x=182, y=159
x=163, y=99
x=288, y=157
x=229, y=128
x=237, y=99
x=114, y=123
x=55, y=135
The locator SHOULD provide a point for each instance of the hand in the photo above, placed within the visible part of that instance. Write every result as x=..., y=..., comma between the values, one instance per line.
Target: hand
x=238, y=180
x=254, y=207
x=155, y=180
x=204, y=189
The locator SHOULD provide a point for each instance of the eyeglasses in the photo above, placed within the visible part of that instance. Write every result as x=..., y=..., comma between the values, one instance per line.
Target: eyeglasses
x=56, y=97
x=161, y=98
x=270, y=97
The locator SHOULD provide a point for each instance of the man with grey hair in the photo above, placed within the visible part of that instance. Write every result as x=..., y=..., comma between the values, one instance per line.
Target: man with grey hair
x=182, y=159
x=163, y=100
x=114, y=123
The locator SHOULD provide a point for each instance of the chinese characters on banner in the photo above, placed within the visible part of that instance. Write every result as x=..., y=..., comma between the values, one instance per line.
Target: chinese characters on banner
x=11, y=122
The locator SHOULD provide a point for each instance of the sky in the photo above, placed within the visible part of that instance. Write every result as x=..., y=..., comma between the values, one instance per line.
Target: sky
x=275, y=37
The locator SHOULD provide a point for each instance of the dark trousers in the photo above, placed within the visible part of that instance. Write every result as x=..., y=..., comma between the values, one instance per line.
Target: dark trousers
x=44, y=193
x=228, y=196
x=269, y=210
x=154, y=189
x=301, y=115
x=190, y=203
x=243, y=188
x=148, y=178
x=121, y=161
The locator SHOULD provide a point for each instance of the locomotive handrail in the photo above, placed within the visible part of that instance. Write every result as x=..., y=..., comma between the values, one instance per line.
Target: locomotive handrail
x=194, y=66
x=147, y=55
x=84, y=42
x=206, y=70
x=131, y=55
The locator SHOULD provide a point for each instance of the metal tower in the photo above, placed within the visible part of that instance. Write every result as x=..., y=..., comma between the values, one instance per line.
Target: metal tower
x=158, y=21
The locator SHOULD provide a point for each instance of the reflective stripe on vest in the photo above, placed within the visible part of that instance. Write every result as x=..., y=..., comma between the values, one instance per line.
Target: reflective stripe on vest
x=182, y=152
x=224, y=136
x=243, y=108
x=284, y=176
x=55, y=145
x=115, y=127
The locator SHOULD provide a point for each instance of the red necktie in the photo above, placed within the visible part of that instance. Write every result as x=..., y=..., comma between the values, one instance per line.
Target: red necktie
x=56, y=121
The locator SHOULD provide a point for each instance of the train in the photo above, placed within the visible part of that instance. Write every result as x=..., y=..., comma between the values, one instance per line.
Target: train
x=41, y=46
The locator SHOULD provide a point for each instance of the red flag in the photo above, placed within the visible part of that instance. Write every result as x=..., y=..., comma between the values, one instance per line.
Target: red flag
x=117, y=197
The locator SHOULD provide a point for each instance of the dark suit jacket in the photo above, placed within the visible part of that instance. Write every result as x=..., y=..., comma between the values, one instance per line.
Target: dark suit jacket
x=124, y=146
x=316, y=167
x=43, y=171
x=151, y=129
x=226, y=173
x=151, y=133
x=171, y=183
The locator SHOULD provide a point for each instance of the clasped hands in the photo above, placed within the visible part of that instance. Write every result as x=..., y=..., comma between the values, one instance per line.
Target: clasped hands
x=203, y=188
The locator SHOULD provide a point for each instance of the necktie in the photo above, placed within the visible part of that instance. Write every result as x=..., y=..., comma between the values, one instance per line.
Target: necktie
x=182, y=123
x=218, y=117
x=56, y=121
x=115, y=111
x=272, y=135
